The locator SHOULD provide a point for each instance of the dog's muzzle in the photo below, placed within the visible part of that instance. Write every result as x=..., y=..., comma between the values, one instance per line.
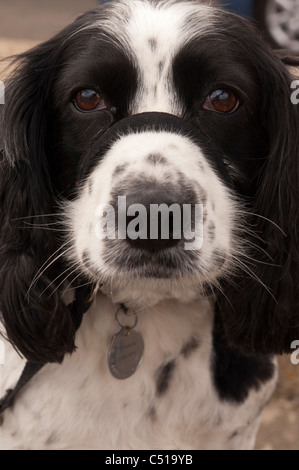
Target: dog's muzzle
x=146, y=191
x=153, y=202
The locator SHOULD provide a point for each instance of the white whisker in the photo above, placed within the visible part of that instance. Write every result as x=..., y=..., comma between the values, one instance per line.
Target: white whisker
x=46, y=265
x=61, y=274
x=253, y=275
x=252, y=214
x=36, y=216
x=66, y=277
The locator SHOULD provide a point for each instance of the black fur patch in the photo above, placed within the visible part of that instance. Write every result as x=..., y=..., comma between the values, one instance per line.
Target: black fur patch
x=235, y=374
x=219, y=258
x=119, y=170
x=152, y=413
x=160, y=68
x=155, y=158
x=233, y=435
x=153, y=44
x=165, y=374
x=211, y=231
x=189, y=347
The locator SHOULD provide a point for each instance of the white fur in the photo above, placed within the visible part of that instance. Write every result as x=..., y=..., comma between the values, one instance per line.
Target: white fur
x=79, y=405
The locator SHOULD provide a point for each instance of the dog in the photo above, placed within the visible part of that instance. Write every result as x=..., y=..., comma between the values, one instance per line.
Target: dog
x=116, y=336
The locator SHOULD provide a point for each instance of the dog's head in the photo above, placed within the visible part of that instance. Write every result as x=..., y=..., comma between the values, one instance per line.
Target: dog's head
x=172, y=107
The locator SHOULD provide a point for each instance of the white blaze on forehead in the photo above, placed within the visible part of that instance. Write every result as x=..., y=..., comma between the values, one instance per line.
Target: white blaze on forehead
x=152, y=34
x=154, y=41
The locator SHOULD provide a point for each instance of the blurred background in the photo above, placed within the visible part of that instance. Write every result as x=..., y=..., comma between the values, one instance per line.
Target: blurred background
x=24, y=23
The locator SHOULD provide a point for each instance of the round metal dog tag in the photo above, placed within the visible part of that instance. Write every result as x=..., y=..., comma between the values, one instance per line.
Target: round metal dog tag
x=125, y=353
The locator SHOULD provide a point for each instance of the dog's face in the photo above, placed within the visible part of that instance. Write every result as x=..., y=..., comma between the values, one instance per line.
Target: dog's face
x=149, y=103
x=144, y=66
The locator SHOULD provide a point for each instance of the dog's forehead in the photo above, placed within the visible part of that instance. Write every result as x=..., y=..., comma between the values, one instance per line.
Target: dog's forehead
x=173, y=22
x=152, y=33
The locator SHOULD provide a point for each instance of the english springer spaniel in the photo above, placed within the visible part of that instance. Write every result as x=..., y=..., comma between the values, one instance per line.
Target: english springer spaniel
x=147, y=104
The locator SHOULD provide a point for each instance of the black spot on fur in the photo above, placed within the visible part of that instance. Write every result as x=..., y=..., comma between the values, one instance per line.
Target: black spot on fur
x=155, y=158
x=201, y=167
x=234, y=434
x=164, y=376
x=189, y=347
x=202, y=196
x=219, y=258
x=52, y=439
x=160, y=68
x=153, y=44
x=119, y=170
x=152, y=413
x=211, y=231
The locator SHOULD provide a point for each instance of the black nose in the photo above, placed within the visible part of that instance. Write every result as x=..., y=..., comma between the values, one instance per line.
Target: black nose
x=153, y=219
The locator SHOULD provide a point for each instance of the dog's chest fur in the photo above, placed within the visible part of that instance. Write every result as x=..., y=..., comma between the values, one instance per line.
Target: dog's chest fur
x=170, y=402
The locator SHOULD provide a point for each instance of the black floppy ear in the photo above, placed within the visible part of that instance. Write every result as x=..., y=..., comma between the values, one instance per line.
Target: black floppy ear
x=37, y=322
x=260, y=313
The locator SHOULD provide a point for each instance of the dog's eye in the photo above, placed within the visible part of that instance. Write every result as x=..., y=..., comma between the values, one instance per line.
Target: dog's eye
x=222, y=101
x=89, y=100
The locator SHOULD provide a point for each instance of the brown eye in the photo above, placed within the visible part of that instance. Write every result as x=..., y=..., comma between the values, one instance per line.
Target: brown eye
x=89, y=100
x=222, y=101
